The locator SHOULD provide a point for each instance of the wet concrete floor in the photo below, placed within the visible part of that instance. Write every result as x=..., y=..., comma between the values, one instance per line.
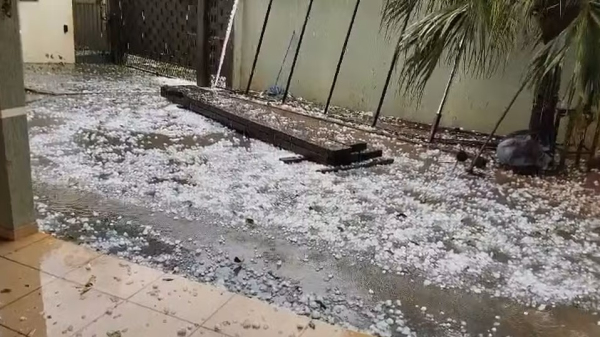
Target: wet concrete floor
x=428, y=310
x=446, y=309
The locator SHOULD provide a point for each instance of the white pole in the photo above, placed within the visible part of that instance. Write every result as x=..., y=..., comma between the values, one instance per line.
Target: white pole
x=226, y=42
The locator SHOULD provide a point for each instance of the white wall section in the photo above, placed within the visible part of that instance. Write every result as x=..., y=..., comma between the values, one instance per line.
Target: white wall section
x=43, y=34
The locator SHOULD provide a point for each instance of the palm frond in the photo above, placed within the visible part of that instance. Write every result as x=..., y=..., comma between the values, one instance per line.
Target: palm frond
x=580, y=41
x=484, y=33
x=481, y=31
x=396, y=13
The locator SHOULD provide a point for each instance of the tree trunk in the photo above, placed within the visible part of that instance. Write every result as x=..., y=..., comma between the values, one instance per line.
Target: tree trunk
x=568, y=135
x=541, y=123
x=594, y=142
x=553, y=16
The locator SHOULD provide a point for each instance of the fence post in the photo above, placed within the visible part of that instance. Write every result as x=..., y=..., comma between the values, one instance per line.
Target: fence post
x=115, y=40
x=202, y=47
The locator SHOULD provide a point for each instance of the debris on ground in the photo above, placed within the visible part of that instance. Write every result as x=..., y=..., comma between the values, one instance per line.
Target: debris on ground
x=521, y=152
x=126, y=173
x=88, y=285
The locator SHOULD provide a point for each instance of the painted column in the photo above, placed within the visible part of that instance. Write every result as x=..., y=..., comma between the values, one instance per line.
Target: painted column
x=17, y=219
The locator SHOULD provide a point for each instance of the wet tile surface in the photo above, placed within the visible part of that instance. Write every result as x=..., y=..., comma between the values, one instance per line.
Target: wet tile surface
x=114, y=276
x=57, y=309
x=53, y=256
x=7, y=247
x=18, y=280
x=326, y=330
x=133, y=320
x=182, y=298
x=251, y=318
x=85, y=301
x=202, y=332
x=8, y=333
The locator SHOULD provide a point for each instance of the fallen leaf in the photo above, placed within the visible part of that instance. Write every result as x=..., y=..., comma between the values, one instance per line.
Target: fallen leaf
x=88, y=286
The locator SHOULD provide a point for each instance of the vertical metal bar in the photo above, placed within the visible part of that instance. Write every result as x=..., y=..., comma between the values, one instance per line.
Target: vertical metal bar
x=202, y=44
x=289, y=81
x=391, y=71
x=97, y=30
x=225, y=43
x=260, y=42
x=115, y=27
x=90, y=25
x=344, y=48
x=438, y=114
x=76, y=28
x=387, y=83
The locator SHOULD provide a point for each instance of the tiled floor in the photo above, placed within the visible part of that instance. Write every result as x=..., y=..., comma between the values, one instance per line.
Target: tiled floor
x=51, y=288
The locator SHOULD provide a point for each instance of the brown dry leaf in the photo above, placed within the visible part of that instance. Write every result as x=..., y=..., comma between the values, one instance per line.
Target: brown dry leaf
x=88, y=285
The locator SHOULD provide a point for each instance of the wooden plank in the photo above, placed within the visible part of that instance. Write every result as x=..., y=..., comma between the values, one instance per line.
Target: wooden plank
x=366, y=164
x=316, y=149
x=366, y=155
x=293, y=159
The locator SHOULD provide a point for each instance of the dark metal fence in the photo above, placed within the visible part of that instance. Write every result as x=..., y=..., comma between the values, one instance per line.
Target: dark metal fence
x=160, y=30
x=90, y=30
x=161, y=35
x=219, y=12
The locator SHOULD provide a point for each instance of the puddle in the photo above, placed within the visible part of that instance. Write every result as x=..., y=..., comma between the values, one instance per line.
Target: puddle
x=42, y=161
x=161, y=142
x=353, y=276
x=44, y=123
x=151, y=141
x=114, y=148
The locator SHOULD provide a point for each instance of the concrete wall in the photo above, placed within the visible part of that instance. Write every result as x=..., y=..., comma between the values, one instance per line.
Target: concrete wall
x=42, y=31
x=474, y=104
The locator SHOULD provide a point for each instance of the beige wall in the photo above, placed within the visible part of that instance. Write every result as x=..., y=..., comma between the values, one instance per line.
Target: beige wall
x=42, y=34
x=474, y=104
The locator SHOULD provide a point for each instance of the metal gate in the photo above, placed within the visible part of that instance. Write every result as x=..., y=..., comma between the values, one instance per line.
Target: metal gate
x=91, y=37
x=219, y=12
x=160, y=30
x=160, y=35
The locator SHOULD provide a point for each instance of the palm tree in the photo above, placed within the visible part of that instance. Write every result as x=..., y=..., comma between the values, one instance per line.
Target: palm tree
x=480, y=35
